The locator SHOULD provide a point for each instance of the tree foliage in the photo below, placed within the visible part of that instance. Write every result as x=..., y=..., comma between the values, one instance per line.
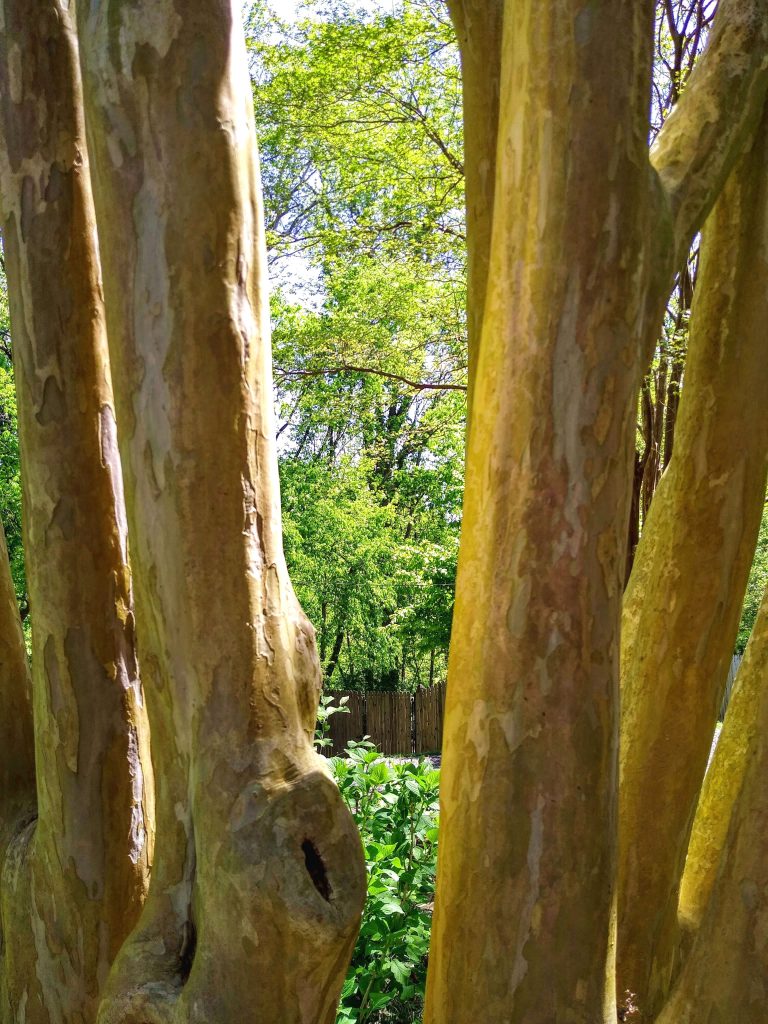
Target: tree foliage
x=360, y=135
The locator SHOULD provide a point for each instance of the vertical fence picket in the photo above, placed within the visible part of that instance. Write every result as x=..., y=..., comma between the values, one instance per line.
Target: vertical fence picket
x=397, y=723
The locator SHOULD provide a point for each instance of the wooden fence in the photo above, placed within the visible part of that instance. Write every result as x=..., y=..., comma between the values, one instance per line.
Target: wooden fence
x=398, y=723
x=412, y=723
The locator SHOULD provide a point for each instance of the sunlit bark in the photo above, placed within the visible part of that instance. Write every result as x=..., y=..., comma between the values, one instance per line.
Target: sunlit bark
x=683, y=604
x=258, y=872
x=73, y=883
x=478, y=26
x=525, y=876
x=585, y=237
x=726, y=879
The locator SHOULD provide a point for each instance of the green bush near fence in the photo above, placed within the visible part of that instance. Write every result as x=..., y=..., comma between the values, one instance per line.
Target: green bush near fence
x=395, y=806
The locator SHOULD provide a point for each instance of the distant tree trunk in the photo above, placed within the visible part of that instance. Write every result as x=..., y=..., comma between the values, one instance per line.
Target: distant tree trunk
x=73, y=883
x=673, y=405
x=655, y=400
x=333, y=661
x=258, y=870
x=682, y=607
x=634, y=512
x=677, y=358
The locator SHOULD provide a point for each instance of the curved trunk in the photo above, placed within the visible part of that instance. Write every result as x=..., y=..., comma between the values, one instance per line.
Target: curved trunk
x=682, y=606
x=478, y=25
x=726, y=876
x=724, y=779
x=72, y=885
x=258, y=870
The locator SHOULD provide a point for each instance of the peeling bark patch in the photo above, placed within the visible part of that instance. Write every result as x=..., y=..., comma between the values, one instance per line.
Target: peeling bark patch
x=138, y=828
x=53, y=407
x=158, y=27
x=316, y=869
x=110, y=458
x=15, y=77
x=28, y=205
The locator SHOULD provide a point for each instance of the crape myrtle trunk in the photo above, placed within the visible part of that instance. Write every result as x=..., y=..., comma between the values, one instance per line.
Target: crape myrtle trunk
x=581, y=234
x=76, y=870
x=683, y=603
x=258, y=881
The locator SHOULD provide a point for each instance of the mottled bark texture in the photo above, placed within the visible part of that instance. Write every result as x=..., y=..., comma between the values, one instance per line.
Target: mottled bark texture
x=683, y=603
x=522, y=929
x=735, y=749
x=586, y=231
x=258, y=880
x=73, y=882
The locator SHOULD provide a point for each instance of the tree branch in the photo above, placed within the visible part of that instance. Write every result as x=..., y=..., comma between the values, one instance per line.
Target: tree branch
x=716, y=116
x=283, y=375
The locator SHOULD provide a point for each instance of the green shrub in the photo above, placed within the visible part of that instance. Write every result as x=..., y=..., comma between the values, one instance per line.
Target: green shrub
x=395, y=806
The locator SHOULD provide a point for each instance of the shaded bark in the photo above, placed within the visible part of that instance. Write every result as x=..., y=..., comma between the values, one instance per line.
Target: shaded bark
x=682, y=606
x=673, y=406
x=655, y=403
x=72, y=884
x=17, y=760
x=246, y=810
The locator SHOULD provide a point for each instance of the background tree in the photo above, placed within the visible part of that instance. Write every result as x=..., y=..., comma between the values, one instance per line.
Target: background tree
x=361, y=142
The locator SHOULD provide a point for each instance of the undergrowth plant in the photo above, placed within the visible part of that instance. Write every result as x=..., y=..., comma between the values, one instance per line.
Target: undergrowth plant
x=395, y=806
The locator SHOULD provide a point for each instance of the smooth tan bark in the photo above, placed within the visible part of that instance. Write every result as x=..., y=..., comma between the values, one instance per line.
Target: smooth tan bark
x=683, y=603
x=724, y=978
x=258, y=880
x=478, y=25
x=72, y=882
x=585, y=236
x=724, y=779
x=522, y=930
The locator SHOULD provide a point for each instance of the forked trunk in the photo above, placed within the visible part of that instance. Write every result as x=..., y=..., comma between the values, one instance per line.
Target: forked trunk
x=682, y=607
